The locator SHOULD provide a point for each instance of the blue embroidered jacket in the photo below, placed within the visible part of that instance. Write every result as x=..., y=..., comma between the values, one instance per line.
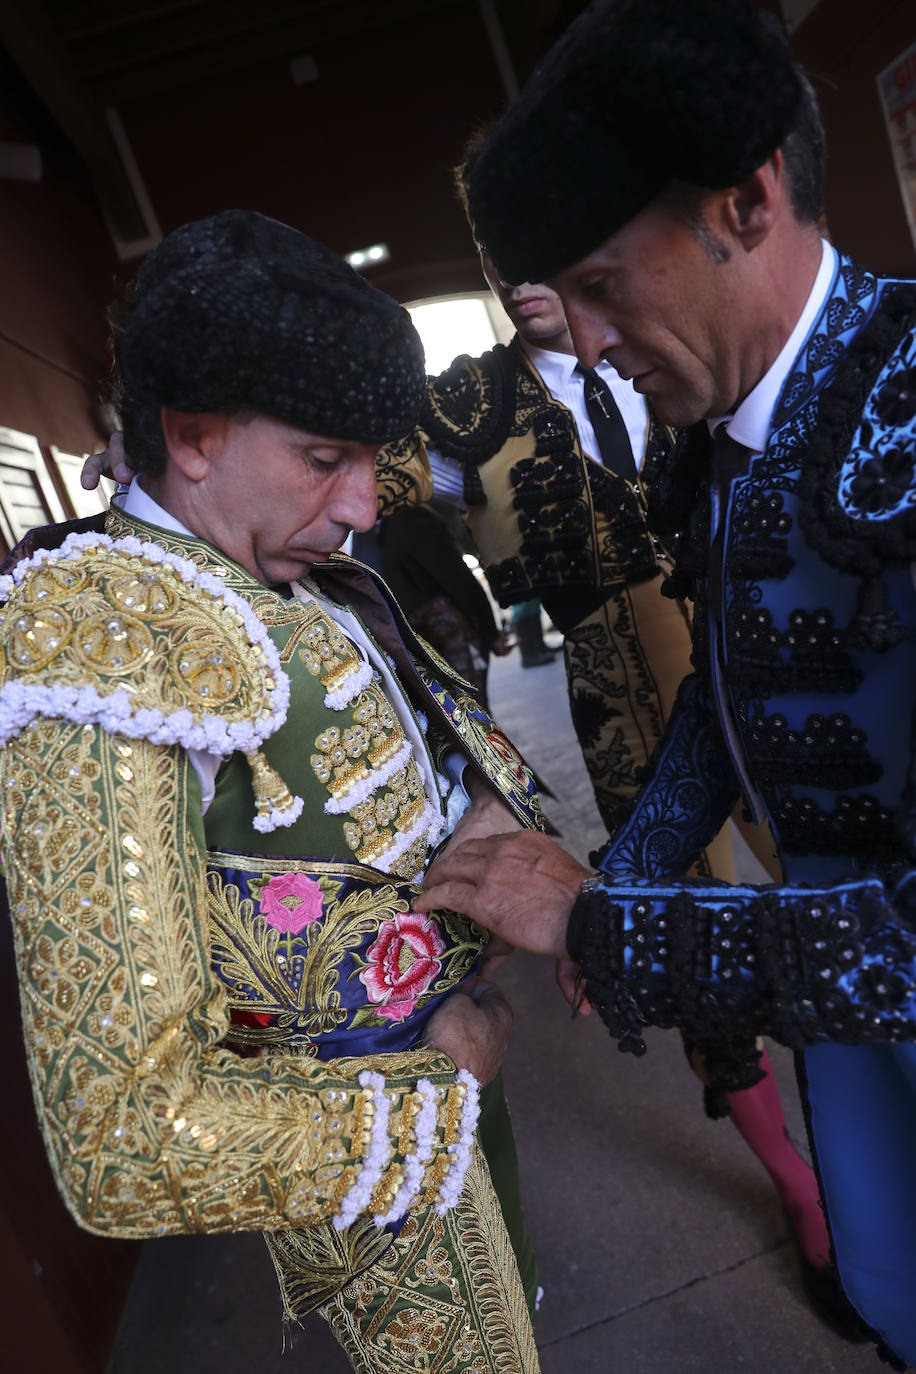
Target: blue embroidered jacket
x=803, y=697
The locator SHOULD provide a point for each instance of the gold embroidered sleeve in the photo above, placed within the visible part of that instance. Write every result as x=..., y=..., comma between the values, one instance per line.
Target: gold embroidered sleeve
x=403, y=474
x=152, y=1128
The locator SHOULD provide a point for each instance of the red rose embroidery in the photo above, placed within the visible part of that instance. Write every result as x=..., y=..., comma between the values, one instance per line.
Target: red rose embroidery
x=507, y=752
x=290, y=901
x=403, y=962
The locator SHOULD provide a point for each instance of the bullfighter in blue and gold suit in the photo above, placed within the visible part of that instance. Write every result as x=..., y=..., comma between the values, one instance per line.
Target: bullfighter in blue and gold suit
x=220, y=790
x=696, y=263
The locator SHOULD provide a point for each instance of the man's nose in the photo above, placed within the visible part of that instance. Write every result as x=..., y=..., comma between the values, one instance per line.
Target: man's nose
x=591, y=334
x=356, y=493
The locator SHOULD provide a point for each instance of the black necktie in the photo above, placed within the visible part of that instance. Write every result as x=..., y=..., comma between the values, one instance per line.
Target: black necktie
x=730, y=459
x=614, y=446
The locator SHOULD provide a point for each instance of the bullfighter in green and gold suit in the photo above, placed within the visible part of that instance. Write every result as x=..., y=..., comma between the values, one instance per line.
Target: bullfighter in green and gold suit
x=226, y=767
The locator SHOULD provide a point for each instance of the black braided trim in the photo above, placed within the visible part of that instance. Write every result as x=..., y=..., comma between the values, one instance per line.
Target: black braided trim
x=759, y=548
x=660, y=445
x=474, y=494
x=797, y=965
x=728, y=1066
x=754, y=562
x=583, y=529
x=547, y=576
x=827, y=751
x=816, y=658
x=469, y=409
x=594, y=941
x=859, y=828
x=674, y=481
x=843, y=541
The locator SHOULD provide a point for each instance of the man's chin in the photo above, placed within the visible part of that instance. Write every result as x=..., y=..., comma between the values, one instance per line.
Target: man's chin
x=675, y=409
x=288, y=569
x=292, y=564
x=302, y=566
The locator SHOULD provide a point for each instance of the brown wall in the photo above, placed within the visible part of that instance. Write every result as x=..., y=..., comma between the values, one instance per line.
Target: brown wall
x=844, y=44
x=57, y=271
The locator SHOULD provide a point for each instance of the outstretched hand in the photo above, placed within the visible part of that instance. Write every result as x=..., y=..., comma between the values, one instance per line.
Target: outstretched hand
x=521, y=886
x=472, y=1027
x=108, y=462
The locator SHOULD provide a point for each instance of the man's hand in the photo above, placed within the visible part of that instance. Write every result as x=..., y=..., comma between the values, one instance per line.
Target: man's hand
x=520, y=886
x=487, y=815
x=568, y=983
x=108, y=462
x=472, y=1028
x=496, y=952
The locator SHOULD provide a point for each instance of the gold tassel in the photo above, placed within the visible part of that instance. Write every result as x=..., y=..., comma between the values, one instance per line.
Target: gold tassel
x=275, y=804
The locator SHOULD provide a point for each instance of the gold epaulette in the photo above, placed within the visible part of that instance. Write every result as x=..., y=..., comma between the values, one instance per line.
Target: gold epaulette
x=123, y=634
x=403, y=474
x=471, y=408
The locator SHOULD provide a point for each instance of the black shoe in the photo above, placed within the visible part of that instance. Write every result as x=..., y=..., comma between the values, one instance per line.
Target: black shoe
x=826, y=1297
x=537, y=660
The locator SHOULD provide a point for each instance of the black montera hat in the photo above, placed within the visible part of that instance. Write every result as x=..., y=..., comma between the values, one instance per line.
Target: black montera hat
x=635, y=95
x=240, y=311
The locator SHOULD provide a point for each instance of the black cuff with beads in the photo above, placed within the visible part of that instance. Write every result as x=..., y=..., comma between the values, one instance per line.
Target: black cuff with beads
x=594, y=943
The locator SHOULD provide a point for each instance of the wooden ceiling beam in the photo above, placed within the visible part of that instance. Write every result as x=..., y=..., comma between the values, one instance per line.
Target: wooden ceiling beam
x=137, y=72
x=75, y=19
x=33, y=45
x=160, y=37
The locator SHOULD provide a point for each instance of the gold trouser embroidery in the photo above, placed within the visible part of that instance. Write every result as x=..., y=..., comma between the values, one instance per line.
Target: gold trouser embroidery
x=445, y=1298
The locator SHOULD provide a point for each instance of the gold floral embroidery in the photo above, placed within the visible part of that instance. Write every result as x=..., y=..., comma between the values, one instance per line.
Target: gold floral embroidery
x=445, y=1298
x=326, y=651
x=152, y=1128
x=348, y=751
x=172, y=645
x=413, y=860
x=297, y=979
x=395, y=808
x=492, y=751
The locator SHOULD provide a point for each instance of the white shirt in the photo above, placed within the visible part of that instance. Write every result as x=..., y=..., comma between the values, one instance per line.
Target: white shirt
x=750, y=424
x=566, y=385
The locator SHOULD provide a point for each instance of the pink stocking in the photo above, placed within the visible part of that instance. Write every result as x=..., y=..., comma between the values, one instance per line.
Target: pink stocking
x=757, y=1113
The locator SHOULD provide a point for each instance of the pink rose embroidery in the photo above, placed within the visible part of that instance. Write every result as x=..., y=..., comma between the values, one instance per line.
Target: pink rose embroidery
x=403, y=962
x=290, y=901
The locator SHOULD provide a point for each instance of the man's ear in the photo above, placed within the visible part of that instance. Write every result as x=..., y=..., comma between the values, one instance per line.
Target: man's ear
x=754, y=206
x=194, y=442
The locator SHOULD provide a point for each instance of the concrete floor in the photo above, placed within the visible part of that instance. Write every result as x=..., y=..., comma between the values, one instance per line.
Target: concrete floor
x=661, y=1244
